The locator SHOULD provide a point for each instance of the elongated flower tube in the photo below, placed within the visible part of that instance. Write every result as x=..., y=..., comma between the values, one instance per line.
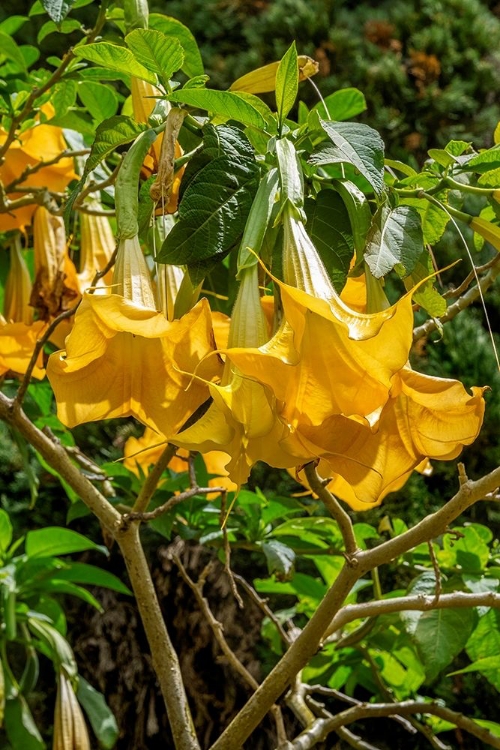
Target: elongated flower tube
x=70, y=730
x=18, y=332
x=96, y=248
x=243, y=420
x=123, y=358
x=40, y=143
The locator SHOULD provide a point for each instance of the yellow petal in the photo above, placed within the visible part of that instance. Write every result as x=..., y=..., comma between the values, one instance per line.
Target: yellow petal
x=96, y=248
x=263, y=79
x=490, y=232
x=17, y=342
x=123, y=360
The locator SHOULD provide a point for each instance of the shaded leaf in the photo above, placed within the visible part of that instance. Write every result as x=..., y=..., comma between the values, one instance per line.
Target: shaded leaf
x=54, y=540
x=20, y=726
x=356, y=144
x=101, y=101
x=101, y=717
x=5, y=530
x=329, y=228
x=92, y=575
x=280, y=559
x=394, y=240
x=440, y=635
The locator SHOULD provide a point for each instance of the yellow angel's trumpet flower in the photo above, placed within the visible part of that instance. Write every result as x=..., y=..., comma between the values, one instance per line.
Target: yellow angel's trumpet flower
x=123, y=358
x=96, y=247
x=38, y=144
x=18, y=332
x=490, y=232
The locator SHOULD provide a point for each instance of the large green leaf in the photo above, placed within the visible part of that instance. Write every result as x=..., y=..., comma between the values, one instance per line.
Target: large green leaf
x=280, y=559
x=114, y=57
x=58, y=9
x=213, y=211
x=440, y=635
x=5, y=530
x=356, y=144
x=92, y=575
x=100, y=715
x=483, y=162
x=470, y=552
x=54, y=540
x=20, y=726
x=485, y=642
x=193, y=64
x=9, y=49
x=287, y=82
x=222, y=103
x=341, y=105
x=395, y=240
x=434, y=218
x=427, y=296
x=63, y=96
x=100, y=100
x=329, y=227
x=157, y=52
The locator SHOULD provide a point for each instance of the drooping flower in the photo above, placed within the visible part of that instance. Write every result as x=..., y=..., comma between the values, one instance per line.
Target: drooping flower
x=56, y=286
x=123, y=358
x=70, y=730
x=40, y=143
x=18, y=332
x=326, y=358
x=145, y=451
x=426, y=417
x=243, y=420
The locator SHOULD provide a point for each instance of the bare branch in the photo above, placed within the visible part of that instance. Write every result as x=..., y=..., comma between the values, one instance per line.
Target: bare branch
x=168, y=505
x=311, y=637
x=470, y=296
x=263, y=606
x=420, y=603
x=339, y=514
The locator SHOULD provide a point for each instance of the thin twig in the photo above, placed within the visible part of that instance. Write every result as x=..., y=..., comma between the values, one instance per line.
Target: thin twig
x=93, y=186
x=227, y=551
x=354, y=741
x=169, y=504
x=462, y=302
x=437, y=572
x=338, y=513
x=263, y=606
x=151, y=482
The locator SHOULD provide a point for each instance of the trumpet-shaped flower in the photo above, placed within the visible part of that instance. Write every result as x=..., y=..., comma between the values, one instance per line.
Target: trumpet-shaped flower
x=41, y=143
x=145, y=451
x=18, y=332
x=70, y=730
x=426, y=417
x=123, y=358
x=326, y=358
x=243, y=420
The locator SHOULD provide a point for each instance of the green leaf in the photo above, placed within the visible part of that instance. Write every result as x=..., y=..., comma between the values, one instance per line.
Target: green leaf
x=400, y=166
x=91, y=575
x=356, y=144
x=63, y=96
x=434, y=218
x=213, y=211
x=75, y=121
x=287, y=82
x=469, y=552
x=100, y=100
x=54, y=540
x=395, y=239
x=441, y=157
x=223, y=103
x=10, y=50
x=440, y=635
x=114, y=132
x=358, y=208
x=485, y=642
x=487, y=664
x=427, y=295
x=156, y=52
x=342, y=105
x=12, y=24
x=66, y=27
x=485, y=161
x=193, y=64
x=114, y=57
x=5, y=530
x=20, y=726
x=58, y=9
x=280, y=559
x=329, y=228
x=100, y=715
x=55, y=586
